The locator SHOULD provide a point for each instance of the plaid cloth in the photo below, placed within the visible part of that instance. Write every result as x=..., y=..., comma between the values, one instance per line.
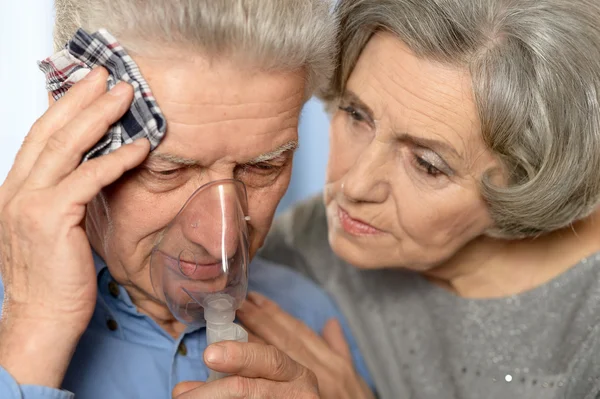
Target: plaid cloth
x=84, y=52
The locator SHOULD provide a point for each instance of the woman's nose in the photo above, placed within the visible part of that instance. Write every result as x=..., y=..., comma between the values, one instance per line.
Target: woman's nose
x=366, y=181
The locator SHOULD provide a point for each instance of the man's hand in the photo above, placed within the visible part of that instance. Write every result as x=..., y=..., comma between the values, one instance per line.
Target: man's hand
x=329, y=357
x=45, y=257
x=260, y=372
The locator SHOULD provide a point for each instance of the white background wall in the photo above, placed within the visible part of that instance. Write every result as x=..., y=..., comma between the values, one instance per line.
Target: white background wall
x=26, y=36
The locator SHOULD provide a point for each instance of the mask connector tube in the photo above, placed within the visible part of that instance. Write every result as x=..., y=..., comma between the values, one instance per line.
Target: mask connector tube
x=219, y=312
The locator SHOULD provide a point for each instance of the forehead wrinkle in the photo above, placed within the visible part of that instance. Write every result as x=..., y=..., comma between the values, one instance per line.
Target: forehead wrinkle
x=217, y=102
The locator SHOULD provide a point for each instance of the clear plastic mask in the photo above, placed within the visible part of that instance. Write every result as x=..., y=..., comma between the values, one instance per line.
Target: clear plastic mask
x=202, y=256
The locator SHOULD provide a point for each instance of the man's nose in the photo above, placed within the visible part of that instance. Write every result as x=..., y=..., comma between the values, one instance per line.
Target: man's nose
x=214, y=221
x=367, y=179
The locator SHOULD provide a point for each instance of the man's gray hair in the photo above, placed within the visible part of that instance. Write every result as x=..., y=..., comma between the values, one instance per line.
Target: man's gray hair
x=535, y=67
x=284, y=35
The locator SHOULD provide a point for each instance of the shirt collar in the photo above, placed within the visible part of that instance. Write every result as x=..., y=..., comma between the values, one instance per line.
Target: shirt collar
x=99, y=263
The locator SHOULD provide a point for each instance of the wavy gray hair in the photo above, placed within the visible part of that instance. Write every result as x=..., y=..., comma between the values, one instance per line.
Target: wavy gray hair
x=535, y=67
x=269, y=34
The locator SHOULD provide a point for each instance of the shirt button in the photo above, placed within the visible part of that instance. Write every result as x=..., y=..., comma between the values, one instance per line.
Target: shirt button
x=182, y=350
x=111, y=324
x=113, y=288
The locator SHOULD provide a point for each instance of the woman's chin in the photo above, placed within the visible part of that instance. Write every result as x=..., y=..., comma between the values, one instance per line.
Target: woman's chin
x=352, y=253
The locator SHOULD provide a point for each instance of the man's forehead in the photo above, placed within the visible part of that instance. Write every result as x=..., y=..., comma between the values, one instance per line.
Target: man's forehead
x=277, y=151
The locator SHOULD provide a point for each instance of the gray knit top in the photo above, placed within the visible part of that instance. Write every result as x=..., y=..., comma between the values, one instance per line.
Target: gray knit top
x=423, y=342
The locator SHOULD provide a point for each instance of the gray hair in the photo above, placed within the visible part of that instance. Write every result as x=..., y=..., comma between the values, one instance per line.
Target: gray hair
x=535, y=67
x=284, y=35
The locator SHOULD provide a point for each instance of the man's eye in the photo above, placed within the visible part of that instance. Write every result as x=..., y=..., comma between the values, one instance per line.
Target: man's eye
x=262, y=168
x=169, y=173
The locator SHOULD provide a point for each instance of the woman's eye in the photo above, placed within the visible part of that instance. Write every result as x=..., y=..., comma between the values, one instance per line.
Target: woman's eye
x=427, y=167
x=354, y=114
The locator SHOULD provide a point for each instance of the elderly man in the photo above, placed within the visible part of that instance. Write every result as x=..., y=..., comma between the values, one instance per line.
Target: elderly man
x=80, y=315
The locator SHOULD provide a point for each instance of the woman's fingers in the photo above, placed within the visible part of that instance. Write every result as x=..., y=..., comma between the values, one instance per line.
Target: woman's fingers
x=91, y=177
x=333, y=334
x=78, y=98
x=255, y=338
x=65, y=148
x=252, y=360
x=269, y=322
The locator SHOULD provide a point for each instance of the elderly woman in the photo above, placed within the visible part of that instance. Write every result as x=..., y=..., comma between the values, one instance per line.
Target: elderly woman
x=217, y=87
x=457, y=228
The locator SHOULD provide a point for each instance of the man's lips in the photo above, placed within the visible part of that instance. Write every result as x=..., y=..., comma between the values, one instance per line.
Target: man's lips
x=355, y=226
x=196, y=271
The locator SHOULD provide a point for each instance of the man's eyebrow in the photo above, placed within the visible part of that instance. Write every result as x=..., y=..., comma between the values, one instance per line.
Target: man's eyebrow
x=174, y=159
x=290, y=146
x=177, y=160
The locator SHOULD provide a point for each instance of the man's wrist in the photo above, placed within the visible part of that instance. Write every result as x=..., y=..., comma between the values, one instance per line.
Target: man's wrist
x=37, y=352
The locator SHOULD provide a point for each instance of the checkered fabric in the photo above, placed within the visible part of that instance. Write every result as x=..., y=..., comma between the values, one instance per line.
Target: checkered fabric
x=85, y=52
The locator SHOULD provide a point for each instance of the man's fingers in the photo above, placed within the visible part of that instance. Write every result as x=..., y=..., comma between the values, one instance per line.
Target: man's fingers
x=236, y=387
x=252, y=360
x=185, y=386
x=333, y=334
x=65, y=148
x=78, y=98
x=92, y=176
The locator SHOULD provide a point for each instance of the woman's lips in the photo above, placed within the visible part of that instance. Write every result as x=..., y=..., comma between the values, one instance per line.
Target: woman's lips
x=354, y=226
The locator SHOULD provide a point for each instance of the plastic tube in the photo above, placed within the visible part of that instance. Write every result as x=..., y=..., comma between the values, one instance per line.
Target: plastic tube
x=219, y=313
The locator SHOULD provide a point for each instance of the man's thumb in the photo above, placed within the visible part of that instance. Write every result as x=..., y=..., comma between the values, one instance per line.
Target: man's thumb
x=185, y=386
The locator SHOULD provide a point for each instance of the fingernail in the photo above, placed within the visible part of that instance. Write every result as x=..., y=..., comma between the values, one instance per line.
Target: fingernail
x=215, y=354
x=93, y=74
x=257, y=298
x=118, y=90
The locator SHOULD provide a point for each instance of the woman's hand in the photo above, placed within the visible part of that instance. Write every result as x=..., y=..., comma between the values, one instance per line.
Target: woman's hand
x=45, y=257
x=258, y=371
x=329, y=357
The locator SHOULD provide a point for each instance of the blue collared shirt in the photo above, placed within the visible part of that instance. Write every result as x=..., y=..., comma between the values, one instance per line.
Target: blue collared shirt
x=125, y=354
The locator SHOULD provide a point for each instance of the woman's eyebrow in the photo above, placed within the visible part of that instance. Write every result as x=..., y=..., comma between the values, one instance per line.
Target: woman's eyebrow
x=436, y=145
x=440, y=147
x=353, y=98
